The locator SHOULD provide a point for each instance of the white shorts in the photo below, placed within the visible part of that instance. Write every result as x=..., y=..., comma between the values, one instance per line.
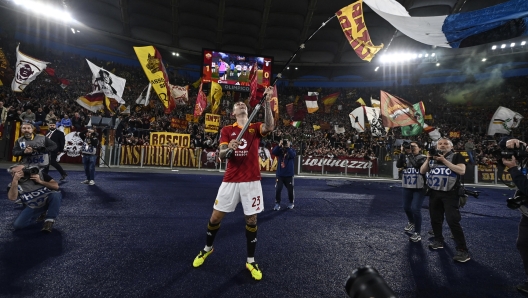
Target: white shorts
x=232, y=193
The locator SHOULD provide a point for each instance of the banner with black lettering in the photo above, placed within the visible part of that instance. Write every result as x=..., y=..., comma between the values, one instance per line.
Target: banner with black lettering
x=342, y=165
x=170, y=138
x=212, y=122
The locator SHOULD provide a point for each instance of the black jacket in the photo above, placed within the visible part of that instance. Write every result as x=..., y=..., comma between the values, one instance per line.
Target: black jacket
x=58, y=137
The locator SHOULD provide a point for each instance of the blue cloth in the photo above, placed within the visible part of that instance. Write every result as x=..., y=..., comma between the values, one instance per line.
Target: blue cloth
x=29, y=215
x=288, y=157
x=66, y=122
x=89, y=165
x=460, y=26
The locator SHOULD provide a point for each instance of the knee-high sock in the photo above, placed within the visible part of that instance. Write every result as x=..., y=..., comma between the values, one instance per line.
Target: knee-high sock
x=251, y=238
x=212, y=229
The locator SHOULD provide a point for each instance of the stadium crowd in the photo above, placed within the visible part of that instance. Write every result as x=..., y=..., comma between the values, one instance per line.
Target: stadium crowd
x=457, y=109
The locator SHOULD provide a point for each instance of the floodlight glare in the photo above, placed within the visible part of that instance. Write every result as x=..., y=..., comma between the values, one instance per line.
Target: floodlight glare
x=503, y=46
x=420, y=56
x=46, y=10
x=512, y=45
x=173, y=54
x=426, y=55
x=376, y=68
x=73, y=30
x=484, y=59
x=296, y=68
x=177, y=54
x=437, y=64
x=433, y=54
x=523, y=43
x=493, y=47
x=288, y=67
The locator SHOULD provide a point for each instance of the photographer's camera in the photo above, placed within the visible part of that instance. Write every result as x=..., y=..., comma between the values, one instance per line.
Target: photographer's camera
x=28, y=172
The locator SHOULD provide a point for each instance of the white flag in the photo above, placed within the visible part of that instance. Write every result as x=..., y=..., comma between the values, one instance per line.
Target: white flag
x=503, y=121
x=374, y=119
x=339, y=129
x=103, y=80
x=375, y=103
x=180, y=94
x=433, y=134
x=313, y=93
x=27, y=69
x=357, y=119
x=144, y=100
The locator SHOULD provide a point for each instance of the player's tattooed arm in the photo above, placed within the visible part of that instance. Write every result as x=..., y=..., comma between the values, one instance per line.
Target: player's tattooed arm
x=223, y=151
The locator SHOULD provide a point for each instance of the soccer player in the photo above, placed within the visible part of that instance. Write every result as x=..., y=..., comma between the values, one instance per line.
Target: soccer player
x=241, y=183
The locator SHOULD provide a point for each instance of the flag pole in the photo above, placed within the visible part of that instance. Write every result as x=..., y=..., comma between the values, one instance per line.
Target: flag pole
x=230, y=151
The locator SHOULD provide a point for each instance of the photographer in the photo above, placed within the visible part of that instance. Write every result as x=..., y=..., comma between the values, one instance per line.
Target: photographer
x=444, y=169
x=521, y=182
x=412, y=187
x=38, y=192
x=33, y=148
x=89, y=154
x=285, y=171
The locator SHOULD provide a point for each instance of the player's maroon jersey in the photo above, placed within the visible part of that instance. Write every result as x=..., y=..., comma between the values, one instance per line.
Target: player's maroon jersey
x=244, y=165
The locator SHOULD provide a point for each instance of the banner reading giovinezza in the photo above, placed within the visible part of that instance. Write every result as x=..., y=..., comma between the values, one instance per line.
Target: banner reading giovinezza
x=343, y=165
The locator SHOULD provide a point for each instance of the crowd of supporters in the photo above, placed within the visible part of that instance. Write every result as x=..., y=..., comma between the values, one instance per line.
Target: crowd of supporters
x=463, y=110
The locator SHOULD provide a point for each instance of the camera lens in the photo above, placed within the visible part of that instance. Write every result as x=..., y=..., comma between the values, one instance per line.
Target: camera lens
x=366, y=282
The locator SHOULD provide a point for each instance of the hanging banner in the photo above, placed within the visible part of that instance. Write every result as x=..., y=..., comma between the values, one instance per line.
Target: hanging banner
x=212, y=122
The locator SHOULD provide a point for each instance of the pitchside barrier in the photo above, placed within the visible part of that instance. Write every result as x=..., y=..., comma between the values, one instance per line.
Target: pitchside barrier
x=183, y=157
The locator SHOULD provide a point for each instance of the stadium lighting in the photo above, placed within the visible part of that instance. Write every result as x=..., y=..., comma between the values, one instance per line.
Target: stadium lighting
x=296, y=68
x=420, y=56
x=503, y=46
x=493, y=47
x=173, y=54
x=484, y=59
x=376, y=68
x=73, y=30
x=426, y=55
x=523, y=43
x=433, y=54
x=288, y=67
x=437, y=64
x=177, y=54
x=512, y=45
x=45, y=10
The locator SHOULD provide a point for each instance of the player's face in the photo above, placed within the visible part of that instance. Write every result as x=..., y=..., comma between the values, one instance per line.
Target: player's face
x=239, y=108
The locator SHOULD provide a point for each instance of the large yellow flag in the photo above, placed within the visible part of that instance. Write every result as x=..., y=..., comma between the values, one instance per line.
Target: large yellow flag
x=152, y=64
x=361, y=101
x=215, y=96
x=353, y=25
x=197, y=83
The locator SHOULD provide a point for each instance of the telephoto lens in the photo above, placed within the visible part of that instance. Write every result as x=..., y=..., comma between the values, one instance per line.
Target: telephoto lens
x=365, y=282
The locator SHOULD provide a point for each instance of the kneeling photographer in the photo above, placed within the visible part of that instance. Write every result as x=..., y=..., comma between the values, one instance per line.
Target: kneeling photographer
x=444, y=169
x=38, y=192
x=516, y=151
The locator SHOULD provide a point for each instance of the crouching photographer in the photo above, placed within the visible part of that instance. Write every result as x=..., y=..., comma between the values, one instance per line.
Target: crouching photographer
x=515, y=157
x=38, y=192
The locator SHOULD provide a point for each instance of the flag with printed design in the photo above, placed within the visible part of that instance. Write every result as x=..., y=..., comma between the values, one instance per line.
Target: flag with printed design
x=396, y=111
x=180, y=94
x=274, y=104
x=353, y=24
x=503, y=121
x=296, y=124
x=415, y=129
x=215, y=97
x=6, y=73
x=152, y=64
x=94, y=101
x=375, y=121
x=107, y=82
x=375, y=103
x=26, y=71
x=357, y=119
x=144, y=100
x=201, y=102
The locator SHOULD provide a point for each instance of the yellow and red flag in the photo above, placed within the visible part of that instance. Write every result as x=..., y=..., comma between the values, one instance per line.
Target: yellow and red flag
x=353, y=25
x=152, y=64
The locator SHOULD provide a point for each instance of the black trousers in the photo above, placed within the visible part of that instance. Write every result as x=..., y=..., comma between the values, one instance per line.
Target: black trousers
x=446, y=202
x=53, y=162
x=522, y=242
x=288, y=181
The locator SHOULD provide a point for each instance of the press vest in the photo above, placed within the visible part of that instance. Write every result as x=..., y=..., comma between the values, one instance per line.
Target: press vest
x=440, y=177
x=411, y=177
x=37, y=159
x=32, y=194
